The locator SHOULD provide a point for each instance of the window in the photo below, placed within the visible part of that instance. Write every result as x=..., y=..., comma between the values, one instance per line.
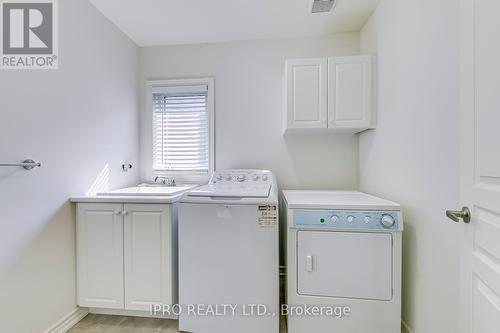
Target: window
x=182, y=128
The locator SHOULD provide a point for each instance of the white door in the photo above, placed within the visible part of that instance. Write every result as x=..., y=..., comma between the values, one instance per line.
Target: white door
x=334, y=264
x=350, y=92
x=306, y=93
x=480, y=165
x=148, y=255
x=100, y=255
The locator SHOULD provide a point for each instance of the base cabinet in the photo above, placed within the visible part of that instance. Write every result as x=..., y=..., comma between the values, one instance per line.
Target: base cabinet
x=100, y=256
x=147, y=258
x=126, y=255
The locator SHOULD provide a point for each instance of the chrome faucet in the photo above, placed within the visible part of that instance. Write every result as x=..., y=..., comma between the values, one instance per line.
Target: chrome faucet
x=165, y=181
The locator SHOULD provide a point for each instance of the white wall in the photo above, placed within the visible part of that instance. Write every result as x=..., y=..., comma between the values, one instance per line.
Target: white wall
x=249, y=103
x=412, y=156
x=74, y=120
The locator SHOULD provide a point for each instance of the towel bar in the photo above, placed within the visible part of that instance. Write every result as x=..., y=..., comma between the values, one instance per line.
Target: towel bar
x=27, y=164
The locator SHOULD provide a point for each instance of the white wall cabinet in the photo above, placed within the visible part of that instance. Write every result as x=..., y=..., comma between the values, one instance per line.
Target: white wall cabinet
x=126, y=255
x=306, y=93
x=329, y=94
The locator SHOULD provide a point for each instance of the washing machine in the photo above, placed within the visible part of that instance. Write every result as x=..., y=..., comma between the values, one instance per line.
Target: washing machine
x=343, y=258
x=229, y=254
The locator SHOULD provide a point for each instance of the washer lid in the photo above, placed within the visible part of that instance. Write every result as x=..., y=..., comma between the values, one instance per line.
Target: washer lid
x=353, y=200
x=231, y=191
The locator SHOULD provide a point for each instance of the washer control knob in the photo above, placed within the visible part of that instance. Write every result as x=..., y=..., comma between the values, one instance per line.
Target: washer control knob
x=228, y=177
x=264, y=177
x=219, y=177
x=350, y=219
x=241, y=178
x=256, y=177
x=368, y=220
x=387, y=221
x=334, y=218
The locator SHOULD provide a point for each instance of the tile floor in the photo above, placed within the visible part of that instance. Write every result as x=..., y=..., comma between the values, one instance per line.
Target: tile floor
x=93, y=323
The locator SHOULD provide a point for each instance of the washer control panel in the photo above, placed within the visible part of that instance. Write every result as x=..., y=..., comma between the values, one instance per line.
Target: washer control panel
x=345, y=220
x=241, y=177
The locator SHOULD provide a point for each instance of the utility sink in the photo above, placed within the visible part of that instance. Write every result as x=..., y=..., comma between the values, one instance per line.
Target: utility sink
x=149, y=189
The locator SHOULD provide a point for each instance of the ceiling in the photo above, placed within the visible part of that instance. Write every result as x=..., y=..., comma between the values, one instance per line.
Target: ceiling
x=167, y=22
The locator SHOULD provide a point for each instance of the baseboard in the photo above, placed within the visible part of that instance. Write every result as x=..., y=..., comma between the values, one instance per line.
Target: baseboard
x=68, y=321
x=132, y=313
x=405, y=328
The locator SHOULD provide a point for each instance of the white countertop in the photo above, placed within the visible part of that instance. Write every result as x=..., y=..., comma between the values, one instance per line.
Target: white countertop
x=337, y=200
x=137, y=194
x=126, y=199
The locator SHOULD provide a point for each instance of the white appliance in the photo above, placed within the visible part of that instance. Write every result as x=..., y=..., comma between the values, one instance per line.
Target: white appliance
x=229, y=254
x=343, y=254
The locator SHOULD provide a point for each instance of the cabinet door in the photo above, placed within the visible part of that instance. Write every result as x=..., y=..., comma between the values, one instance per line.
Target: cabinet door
x=100, y=255
x=350, y=92
x=148, y=256
x=306, y=93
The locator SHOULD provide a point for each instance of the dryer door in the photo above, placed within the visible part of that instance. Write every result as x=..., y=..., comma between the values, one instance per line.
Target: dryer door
x=345, y=264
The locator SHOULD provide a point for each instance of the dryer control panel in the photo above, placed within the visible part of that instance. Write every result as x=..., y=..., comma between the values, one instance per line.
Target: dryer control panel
x=346, y=220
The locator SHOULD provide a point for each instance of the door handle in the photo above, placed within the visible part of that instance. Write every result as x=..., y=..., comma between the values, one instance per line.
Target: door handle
x=309, y=263
x=456, y=215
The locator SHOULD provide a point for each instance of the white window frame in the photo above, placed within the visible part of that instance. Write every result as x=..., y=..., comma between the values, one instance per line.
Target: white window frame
x=179, y=176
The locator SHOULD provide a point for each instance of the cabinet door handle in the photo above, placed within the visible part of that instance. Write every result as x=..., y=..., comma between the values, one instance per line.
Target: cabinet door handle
x=124, y=212
x=309, y=263
x=117, y=212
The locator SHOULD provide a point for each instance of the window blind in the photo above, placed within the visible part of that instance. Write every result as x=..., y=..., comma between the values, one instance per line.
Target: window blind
x=180, y=129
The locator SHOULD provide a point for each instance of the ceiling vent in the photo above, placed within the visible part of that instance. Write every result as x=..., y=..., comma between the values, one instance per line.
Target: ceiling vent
x=322, y=6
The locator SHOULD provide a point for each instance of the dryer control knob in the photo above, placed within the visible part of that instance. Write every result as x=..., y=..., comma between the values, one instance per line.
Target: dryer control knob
x=264, y=177
x=241, y=178
x=228, y=177
x=219, y=177
x=387, y=220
